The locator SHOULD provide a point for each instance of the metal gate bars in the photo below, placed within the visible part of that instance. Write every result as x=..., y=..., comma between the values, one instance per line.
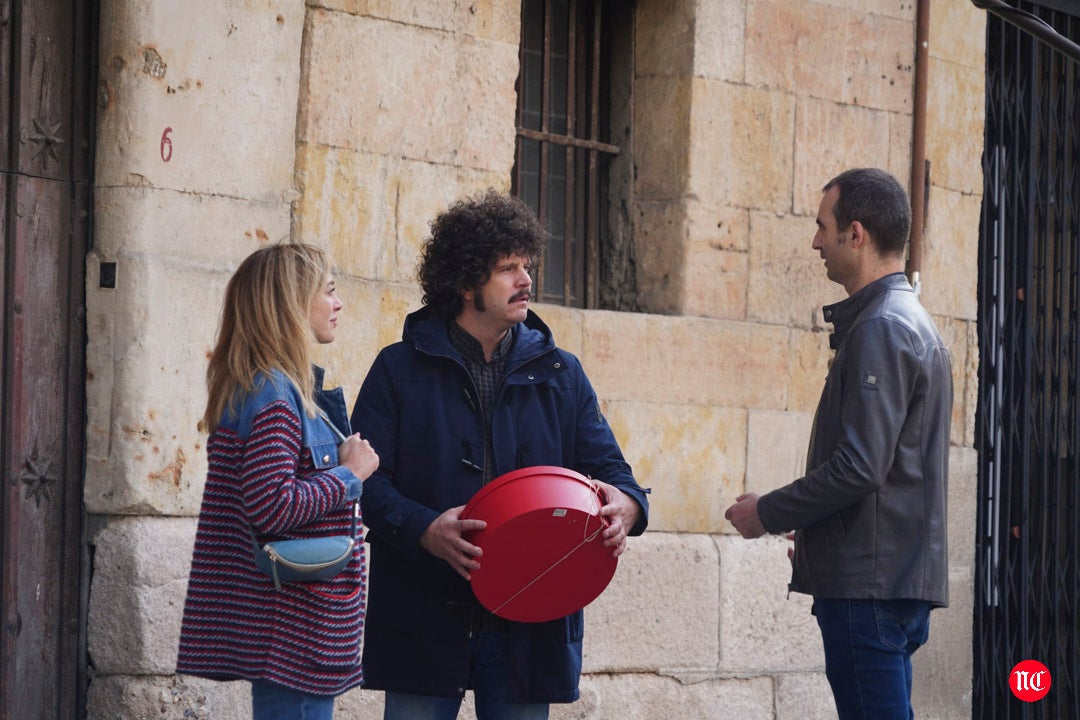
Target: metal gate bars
x=1027, y=578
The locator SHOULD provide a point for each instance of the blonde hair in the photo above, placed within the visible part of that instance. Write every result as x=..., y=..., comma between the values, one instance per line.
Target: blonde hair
x=265, y=325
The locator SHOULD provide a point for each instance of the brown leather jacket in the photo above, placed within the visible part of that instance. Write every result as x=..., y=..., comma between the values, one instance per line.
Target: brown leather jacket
x=869, y=514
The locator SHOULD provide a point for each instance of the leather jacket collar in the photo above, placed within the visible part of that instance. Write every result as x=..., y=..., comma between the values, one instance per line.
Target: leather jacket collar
x=842, y=314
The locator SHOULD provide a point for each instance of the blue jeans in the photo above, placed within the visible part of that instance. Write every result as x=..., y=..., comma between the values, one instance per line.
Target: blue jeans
x=489, y=680
x=275, y=702
x=868, y=649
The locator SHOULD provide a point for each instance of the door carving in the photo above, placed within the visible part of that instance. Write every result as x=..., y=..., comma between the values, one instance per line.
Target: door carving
x=46, y=140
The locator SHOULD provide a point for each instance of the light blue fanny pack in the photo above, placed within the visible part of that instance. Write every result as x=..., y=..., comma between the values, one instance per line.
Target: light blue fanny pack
x=307, y=559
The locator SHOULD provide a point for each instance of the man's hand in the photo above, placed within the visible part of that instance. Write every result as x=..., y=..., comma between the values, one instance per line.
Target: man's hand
x=622, y=513
x=443, y=539
x=744, y=516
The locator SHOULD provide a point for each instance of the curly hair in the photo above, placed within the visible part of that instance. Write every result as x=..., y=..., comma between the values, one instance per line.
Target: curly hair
x=467, y=240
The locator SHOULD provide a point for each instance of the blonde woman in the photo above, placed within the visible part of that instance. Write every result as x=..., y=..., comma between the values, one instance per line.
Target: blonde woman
x=277, y=469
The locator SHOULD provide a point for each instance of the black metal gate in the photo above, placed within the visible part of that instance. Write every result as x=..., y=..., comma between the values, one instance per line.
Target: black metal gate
x=1027, y=578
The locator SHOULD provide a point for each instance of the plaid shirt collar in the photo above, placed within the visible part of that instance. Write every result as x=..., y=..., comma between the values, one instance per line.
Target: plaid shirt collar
x=471, y=349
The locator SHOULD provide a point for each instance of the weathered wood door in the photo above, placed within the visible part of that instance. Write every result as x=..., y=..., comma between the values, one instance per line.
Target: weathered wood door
x=47, y=65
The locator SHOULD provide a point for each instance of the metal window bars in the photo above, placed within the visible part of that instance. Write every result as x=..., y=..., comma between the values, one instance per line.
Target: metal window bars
x=558, y=164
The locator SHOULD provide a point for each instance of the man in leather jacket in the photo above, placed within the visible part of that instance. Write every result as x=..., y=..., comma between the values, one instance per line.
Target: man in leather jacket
x=476, y=388
x=869, y=515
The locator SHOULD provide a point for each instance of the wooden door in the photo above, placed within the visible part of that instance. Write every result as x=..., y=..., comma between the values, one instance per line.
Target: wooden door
x=47, y=65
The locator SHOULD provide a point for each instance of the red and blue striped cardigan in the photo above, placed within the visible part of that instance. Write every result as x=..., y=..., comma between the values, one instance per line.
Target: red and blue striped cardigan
x=274, y=470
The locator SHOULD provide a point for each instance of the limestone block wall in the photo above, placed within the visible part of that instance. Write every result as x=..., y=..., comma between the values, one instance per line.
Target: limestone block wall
x=195, y=166
x=352, y=123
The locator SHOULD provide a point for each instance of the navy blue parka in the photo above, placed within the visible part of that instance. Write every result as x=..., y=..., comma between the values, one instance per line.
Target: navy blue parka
x=420, y=410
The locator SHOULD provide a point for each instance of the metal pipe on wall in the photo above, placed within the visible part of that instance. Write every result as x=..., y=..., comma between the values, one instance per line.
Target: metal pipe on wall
x=920, y=168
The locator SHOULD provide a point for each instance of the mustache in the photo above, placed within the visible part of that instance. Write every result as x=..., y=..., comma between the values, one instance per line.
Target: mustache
x=521, y=296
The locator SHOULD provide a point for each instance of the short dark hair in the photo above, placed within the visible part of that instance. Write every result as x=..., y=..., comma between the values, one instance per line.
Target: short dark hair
x=466, y=241
x=878, y=201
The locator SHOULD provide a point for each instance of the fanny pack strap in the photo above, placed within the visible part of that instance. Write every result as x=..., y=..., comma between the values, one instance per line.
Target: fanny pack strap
x=341, y=439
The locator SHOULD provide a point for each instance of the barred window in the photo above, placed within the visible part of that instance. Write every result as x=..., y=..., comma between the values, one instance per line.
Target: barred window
x=564, y=153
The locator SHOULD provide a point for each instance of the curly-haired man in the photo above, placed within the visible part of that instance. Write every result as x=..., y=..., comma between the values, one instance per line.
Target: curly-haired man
x=476, y=388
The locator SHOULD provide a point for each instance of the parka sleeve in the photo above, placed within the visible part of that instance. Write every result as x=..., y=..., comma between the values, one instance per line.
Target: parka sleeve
x=597, y=451
x=394, y=518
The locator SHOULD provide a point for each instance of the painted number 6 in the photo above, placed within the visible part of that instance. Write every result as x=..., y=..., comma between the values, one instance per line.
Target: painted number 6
x=166, y=145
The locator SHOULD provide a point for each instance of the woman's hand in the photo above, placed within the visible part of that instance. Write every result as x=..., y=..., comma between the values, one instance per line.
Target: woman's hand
x=357, y=454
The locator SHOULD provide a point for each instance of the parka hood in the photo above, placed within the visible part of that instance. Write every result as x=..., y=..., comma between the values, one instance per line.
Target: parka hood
x=427, y=331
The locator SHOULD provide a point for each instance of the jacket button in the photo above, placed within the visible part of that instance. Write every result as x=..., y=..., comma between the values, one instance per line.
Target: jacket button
x=326, y=458
x=532, y=377
x=558, y=365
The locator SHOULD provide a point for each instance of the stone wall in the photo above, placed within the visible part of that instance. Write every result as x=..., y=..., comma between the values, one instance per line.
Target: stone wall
x=351, y=123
